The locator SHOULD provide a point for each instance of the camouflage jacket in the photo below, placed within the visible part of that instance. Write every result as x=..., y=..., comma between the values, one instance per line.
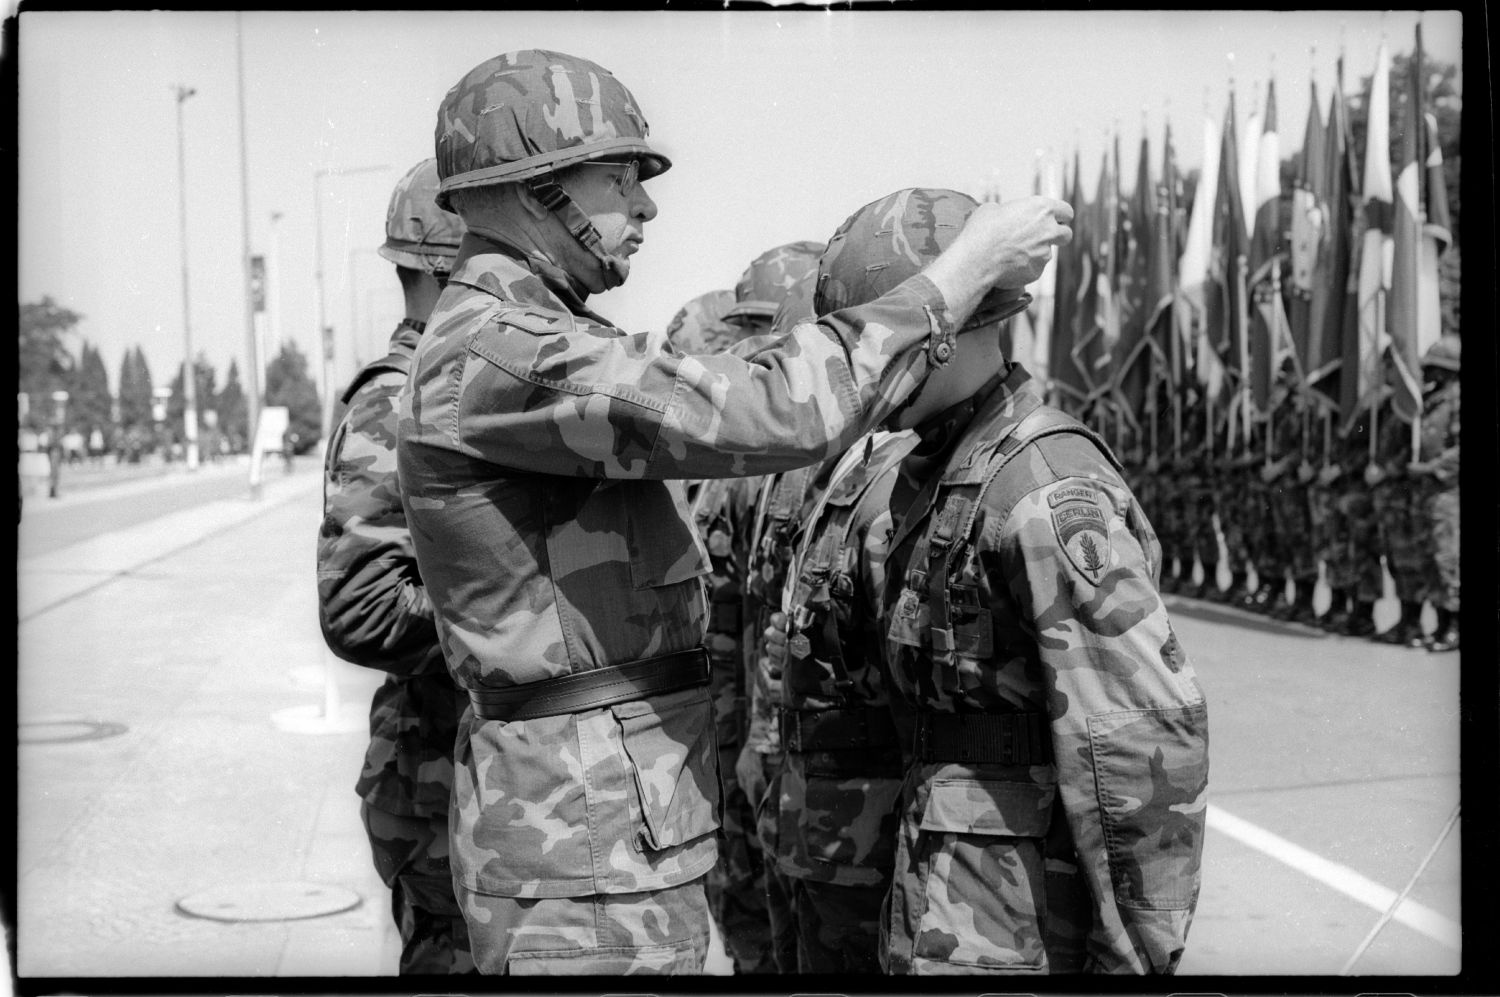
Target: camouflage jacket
x=535, y=440
x=1028, y=586
x=781, y=510
x=843, y=768
x=722, y=509
x=372, y=606
x=1440, y=434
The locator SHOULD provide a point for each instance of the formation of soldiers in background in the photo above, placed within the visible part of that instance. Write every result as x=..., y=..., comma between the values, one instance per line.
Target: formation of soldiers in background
x=919, y=747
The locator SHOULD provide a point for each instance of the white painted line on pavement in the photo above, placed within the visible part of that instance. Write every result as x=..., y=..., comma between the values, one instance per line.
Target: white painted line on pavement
x=1339, y=877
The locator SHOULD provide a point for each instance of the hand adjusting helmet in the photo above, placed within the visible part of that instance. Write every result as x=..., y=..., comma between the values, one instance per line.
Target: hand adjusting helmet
x=889, y=240
x=521, y=116
x=419, y=234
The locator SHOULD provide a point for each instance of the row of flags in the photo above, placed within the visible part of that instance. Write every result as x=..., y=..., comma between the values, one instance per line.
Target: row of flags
x=1147, y=302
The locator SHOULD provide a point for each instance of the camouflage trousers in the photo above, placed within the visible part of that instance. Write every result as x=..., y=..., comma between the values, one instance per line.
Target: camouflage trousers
x=1398, y=507
x=1202, y=539
x=780, y=922
x=411, y=855
x=1442, y=584
x=838, y=927
x=737, y=883
x=970, y=902
x=1356, y=564
x=608, y=934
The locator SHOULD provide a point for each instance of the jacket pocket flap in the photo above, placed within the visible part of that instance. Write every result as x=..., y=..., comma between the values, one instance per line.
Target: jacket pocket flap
x=671, y=746
x=975, y=806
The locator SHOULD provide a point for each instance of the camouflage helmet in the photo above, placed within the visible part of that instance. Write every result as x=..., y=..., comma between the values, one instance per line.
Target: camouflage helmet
x=1443, y=353
x=526, y=114
x=419, y=234
x=770, y=276
x=698, y=326
x=889, y=240
x=797, y=306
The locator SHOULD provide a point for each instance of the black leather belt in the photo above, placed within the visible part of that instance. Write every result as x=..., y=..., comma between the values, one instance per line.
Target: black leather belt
x=590, y=690
x=837, y=729
x=995, y=738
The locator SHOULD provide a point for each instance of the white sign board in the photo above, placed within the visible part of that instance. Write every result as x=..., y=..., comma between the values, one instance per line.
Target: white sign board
x=269, y=430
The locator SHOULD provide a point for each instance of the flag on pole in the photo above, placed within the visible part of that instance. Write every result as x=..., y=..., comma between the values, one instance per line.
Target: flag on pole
x=1307, y=231
x=1068, y=386
x=1361, y=363
x=1193, y=282
x=1270, y=343
x=1437, y=231
x=1226, y=330
x=1094, y=318
x=1401, y=314
x=1333, y=306
x=1135, y=362
x=1249, y=159
x=1043, y=289
x=1161, y=273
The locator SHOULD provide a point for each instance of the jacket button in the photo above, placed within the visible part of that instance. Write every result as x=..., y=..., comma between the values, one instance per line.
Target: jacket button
x=942, y=352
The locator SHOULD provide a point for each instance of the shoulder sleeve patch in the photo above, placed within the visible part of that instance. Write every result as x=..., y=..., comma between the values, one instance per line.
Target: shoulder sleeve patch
x=1082, y=528
x=536, y=323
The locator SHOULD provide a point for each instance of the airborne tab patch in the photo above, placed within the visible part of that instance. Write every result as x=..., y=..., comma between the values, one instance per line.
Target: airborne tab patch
x=1081, y=529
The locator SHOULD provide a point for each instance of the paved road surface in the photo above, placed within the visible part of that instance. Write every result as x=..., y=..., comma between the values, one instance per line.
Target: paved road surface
x=1334, y=764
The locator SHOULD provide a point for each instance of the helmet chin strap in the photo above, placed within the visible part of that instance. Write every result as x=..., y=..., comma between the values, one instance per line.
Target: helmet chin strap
x=556, y=200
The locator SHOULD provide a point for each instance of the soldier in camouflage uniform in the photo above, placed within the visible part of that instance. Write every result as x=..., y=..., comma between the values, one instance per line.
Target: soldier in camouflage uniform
x=1052, y=814
x=1397, y=508
x=375, y=611
x=1237, y=508
x=1322, y=483
x=1288, y=556
x=778, y=508
x=841, y=733
x=721, y=509
x=535, y=442
x=1354, y=571
x=1435, y=477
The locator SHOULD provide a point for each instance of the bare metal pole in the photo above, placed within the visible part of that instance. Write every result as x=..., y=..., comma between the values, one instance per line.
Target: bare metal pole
x=252, y=368
x=189, y=369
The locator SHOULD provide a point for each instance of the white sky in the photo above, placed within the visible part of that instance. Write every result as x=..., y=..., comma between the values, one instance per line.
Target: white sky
x=779, y=125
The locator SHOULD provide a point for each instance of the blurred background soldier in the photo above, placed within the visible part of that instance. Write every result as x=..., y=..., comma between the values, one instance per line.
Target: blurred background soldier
x=1200, y=498
x=1396, y=501
x=773, y=294
x=567, y=577
x=1024, y=626
x=1355, y=570
x=375, y=611
x=1435, y=479
x=1237, y=508
x=721, y=510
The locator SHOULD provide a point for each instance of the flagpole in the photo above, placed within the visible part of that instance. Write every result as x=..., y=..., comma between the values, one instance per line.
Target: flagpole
x=1380, y=375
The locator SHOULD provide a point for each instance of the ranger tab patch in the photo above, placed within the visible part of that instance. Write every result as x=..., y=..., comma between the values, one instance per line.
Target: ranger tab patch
x=1081, y=529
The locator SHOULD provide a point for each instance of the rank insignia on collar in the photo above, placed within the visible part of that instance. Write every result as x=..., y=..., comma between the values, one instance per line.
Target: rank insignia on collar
x=1081, y=529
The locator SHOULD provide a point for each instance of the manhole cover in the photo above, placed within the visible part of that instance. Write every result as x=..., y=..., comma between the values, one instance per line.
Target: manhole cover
x=269, y=902
x=59, y=731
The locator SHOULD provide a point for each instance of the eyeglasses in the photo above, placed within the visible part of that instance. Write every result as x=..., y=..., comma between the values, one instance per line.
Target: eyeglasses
x=625, y=182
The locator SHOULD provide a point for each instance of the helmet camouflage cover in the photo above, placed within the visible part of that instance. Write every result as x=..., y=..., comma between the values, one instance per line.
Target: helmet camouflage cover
x=698, y=326
x=797, y=306
x=771, y=275
x=1444, y=353
x=889, y=240
x=530, y=112
x=419, y=234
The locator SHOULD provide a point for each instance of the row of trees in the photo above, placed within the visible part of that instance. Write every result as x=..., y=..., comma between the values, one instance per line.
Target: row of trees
x=48, y=362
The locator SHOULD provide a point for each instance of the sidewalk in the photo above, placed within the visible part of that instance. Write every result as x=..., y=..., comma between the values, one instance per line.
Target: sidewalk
x=158, y=667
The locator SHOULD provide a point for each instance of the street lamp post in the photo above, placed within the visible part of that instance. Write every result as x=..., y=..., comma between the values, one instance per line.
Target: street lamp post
x=325, y=334
x=189, y=375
